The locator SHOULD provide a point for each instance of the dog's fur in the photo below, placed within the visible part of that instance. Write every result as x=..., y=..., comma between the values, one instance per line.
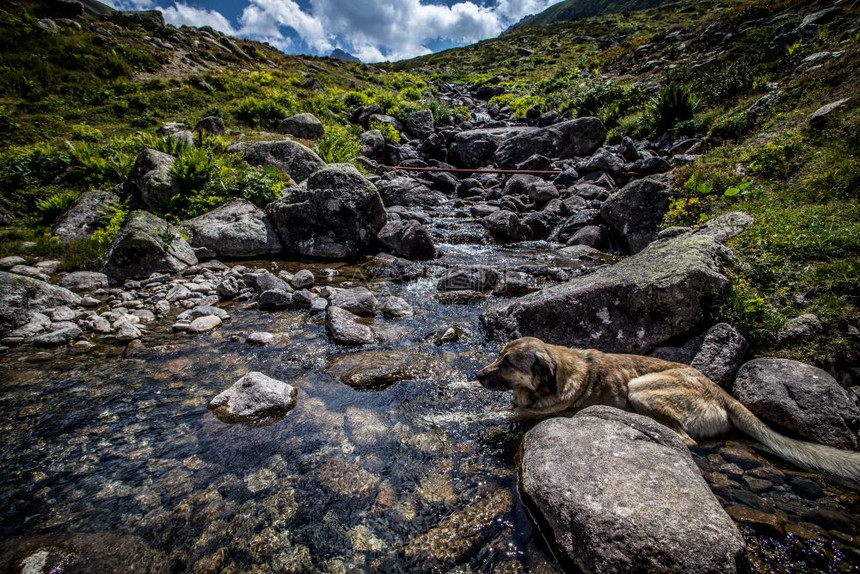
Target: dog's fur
x=550, y=379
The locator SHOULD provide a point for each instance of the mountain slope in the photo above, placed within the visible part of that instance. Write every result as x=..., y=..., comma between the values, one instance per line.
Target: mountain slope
x=576, y=9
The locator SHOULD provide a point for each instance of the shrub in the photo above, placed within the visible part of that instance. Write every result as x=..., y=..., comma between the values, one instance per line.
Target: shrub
x=55, y=205
x=99, y=165
x=338, y=145
x=442, y=112
x=674, y=103
x=193, y=168
x=7, y=124
x=776, y=157
x=86, y=133
x=144, y=120
x=389, y=132
x=259, y=113
x=111, y=222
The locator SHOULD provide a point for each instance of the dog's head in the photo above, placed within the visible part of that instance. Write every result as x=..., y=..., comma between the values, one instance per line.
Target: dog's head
x=525, y=365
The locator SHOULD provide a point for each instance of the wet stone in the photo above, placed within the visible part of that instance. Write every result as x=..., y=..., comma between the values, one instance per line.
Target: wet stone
x=757, y=519
x=260, y=338
x=343, y=328
x=57, y=338
x=275, y=300
x=460, y=297
x=304, y=279
x=374, y=369
x=204, y=324
x=254, y=398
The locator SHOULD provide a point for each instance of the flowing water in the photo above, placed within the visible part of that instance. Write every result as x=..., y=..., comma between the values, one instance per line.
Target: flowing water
x=111, y=461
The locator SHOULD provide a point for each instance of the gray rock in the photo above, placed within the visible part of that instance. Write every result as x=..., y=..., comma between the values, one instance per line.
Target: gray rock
x=801, y=328
x=62, y=313
x=631, y=306
x=420, y=123
x=145, y=245
x=621, y=493
x=20, y=296
x=275, y=300
x=82, y=218
x=305, y=126
x=84, y=281
x=820, y=117
x=505, y=226
x=304, y=279
x=344, y=329
x=211, y=124
x=288, y=156
x=126, y=331
x=337, y=217
x=721, y=354
x=38, y=323
x=475, y=148
x=30, y=271
x=203, y=311
x=636, y=211
x=254, y=398
x=357, y=300
x=407, y=239
x=260, y=338
x=520, y=183
x=236, y=229
x=395, y=308
x=151, y=178
x=372, y=145
x=47, y=26
x=58, y=337
x=602, y=160
x=265, y=281
x=474, y=278
x=178, y=293
x=515, y=284
x=800, y=398
x=204, y=324
x=228, y=287
x=408, y=192
x=574, y=138
x=11, y=261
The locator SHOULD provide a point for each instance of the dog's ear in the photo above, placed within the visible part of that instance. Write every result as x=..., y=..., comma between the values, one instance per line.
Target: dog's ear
x=545, y=370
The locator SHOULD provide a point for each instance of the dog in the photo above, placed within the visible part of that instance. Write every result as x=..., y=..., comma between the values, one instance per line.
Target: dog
x=548, y=379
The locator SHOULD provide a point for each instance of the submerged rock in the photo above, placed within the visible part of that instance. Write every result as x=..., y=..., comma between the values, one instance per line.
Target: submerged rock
x=380, y=368
x=344, y=328
x=621, y=493
x=255, y=398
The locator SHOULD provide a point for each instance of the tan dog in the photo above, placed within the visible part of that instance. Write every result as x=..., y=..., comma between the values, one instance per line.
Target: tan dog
x=549, y=379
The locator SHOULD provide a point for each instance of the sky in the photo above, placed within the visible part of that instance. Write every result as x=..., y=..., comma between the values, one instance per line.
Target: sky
x=372, y=30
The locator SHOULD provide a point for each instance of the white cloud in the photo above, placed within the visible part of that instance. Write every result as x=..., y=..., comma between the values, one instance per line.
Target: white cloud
x=181, y=14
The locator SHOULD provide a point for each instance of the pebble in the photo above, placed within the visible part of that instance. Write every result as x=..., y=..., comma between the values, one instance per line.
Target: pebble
x=304, y=279
x=260, y=338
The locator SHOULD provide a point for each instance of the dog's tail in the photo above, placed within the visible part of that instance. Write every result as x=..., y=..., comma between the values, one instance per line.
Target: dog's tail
x=841, y=464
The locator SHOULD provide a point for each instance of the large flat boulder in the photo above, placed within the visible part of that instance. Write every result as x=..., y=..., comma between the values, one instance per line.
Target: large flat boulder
x=82, y=218
x=336, y=217
x=21, y=296
x=236, y=229
x=632, y=306
x=574, y=138
x=476, y=148
x=147, y=244
x=292, y=157
x=621, y=493
x=801, y=398
x=407, y=191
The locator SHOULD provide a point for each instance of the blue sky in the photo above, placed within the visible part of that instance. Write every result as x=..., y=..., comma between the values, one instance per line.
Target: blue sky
x=373, y=30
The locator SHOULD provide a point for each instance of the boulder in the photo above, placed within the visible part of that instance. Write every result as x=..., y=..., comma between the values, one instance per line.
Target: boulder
x=20, y=296
x=305, y=126
x=151, y=178
x=380, y=368
x=58, y=337
x=574, y=138
x=636, y=211
x=84, y=281
x=372, y=145
x=475, y=148
x=631, y=306
x=204, y=324
x=358, y=300
x=820, y=117
x=420, y=123
x=801, y=328
x=82, y=218
x=212, y=125
x=147, y=244
x=275, y=300
x=800, y=398
x=343, y=328
x=236, y=229
x=288, y=156
x=254, y=398
x=505, y=226
x=408, y=192
x=721, y=354
x=337, y=217
x=621, y=493
x=407, y=239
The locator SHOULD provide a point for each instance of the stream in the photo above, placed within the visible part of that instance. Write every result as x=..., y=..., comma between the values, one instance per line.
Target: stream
x=112, y=462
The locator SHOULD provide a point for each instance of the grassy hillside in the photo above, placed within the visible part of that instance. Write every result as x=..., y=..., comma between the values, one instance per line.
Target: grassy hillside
x=720, y=58
x=576, y=9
